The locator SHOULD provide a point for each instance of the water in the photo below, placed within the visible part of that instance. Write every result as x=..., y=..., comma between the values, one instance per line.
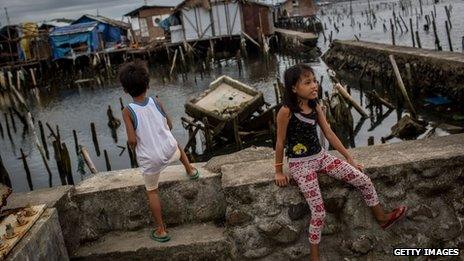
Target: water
x=75, y=109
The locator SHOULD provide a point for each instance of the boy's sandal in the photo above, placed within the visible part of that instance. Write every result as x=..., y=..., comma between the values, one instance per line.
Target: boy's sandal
x=158, y=238
x=398, y=214
x=195, y=176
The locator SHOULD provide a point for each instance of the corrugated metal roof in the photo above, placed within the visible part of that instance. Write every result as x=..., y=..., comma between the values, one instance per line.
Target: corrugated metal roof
x=105, y=20
x=136, y=11
x=74, y=29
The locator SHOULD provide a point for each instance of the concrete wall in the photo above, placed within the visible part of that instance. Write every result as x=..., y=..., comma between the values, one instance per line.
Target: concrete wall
x=44, y=241
x=431, y=71
x=270, y=223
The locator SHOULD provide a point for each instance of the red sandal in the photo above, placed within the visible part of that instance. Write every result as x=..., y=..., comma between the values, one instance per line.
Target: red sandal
x=398, y=214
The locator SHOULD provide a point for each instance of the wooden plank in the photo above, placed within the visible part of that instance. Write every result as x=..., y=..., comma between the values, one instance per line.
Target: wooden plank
x=19, y=230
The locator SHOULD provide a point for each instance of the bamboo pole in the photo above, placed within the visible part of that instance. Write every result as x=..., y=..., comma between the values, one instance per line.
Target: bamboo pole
x=173, y=62
x=400, y=85
x=88, y=160
x=350, y=99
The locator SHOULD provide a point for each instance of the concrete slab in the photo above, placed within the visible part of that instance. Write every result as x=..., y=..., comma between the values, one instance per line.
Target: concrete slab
x=52, y=197
x=375, y=159
x=132, y=178
x=189, y=242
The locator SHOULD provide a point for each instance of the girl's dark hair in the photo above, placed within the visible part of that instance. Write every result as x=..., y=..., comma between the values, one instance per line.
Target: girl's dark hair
x=291, y=78
x=134, y=78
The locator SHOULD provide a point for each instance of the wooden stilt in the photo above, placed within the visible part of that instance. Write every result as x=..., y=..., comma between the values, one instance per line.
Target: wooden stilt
x=26, y=168
x=107, y=161
x=95, y=139
x=400, y=85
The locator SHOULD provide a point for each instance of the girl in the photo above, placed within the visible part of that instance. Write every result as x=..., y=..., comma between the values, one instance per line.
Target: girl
x=296, y=129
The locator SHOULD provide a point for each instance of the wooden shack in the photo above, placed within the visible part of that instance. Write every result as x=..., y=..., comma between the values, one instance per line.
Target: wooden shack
x=145, y=22
x=257, y=18
x=204, y=20
x=297, y=8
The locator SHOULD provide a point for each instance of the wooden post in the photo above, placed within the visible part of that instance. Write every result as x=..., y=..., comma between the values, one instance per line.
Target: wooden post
x=412, y=33
x=208, y=138
x=448, y=34
x=76, y=143
x=26, y=168
x=350, y=99
x=44, y=140
x=4, y=176
x=107, y=161
x=59, y=161
x=421, y=10
x=66, y=160
x=448, y=16
x=400, y=85
x=94, y=138
x=392, y=32
x=370, y=141
x=238, y=140
x=418, y=40
x=437, y=41
x=13, y=123
x=7, y=126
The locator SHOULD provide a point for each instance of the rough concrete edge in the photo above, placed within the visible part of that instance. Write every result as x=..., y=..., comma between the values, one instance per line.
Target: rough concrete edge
x=368, y=170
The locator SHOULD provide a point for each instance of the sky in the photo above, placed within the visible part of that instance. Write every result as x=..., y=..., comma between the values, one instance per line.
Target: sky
x=21, y=11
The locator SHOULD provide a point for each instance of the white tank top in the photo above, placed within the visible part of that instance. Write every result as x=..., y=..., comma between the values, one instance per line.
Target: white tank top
x=155, y=142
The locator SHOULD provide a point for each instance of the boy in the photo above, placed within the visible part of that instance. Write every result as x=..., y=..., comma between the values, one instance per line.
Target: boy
x=148, y=131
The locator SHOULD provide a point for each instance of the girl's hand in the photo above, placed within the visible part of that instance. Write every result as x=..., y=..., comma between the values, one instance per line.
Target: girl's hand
x=281, y=180
x=356, y=165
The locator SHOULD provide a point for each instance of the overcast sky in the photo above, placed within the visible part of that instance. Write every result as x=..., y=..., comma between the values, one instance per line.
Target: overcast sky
x=39, y=10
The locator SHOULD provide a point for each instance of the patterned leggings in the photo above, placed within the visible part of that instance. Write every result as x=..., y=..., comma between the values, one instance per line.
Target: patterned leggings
x=305, y=170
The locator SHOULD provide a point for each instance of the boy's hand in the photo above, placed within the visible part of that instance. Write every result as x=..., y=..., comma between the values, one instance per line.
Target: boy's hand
x=132, y=143
x=281, y=180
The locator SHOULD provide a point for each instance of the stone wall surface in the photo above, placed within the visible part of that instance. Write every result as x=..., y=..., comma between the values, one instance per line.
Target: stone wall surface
x=270, y=223
x=265, y=222
x=431, y=71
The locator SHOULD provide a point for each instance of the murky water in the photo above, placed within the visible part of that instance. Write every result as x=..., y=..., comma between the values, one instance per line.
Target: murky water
x=75, y=109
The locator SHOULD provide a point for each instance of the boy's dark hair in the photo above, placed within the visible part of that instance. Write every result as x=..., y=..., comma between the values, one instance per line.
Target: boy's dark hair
x=134, y=78
x=291, y=78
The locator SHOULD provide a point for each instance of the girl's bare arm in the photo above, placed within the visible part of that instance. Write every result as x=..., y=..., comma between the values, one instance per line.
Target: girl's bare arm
x=131, y=138
x=283, y=117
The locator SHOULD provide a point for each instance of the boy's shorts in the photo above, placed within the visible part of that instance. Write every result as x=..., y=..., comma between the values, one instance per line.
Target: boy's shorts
x=151, y=180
